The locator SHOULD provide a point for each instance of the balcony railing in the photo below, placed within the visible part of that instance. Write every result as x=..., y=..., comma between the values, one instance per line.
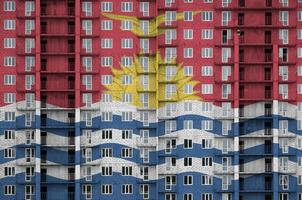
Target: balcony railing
x=71, y=176
x=268, y=167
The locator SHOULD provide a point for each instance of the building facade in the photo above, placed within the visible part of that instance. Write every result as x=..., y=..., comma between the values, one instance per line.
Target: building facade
x=151, y=99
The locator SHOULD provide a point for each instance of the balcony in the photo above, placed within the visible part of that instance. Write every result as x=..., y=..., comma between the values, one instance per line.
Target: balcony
x=146, y=142
x=51, y=12
x=71, y=176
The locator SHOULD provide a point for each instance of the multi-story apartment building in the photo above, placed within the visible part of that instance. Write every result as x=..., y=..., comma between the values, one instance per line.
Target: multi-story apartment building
x=151, y=99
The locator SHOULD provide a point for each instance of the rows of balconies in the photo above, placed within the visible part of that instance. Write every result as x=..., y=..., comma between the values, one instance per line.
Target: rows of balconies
x=256, y=5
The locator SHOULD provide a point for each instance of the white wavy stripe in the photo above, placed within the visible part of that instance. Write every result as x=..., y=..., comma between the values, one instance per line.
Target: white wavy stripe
x=251, y=111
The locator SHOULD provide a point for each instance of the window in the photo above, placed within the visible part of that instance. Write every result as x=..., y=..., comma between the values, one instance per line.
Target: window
x=206, y=71
x=283, y=17
x=226, y=71
x=207, y=125
x=29, y=26
x=188, y=180
x=87, y=191
x=188, y=196
x=170, y=16
x=106, y=134
x=87, y=26
x=207, y=107
x=188, y=34
x=299, y=15
x=144, y=190
x=188, y=16
x=9, y=97
x=9, y=134
x=9, y=6
x=107, y=43
x=106, y=189
x=9, y=190
x=127, y=134
x=9, y=61
x=144, y=45
x=206, y=161
x=106, y=98
x=207, y=16
x=106, y=171
x=188, y=52
x=107, y=116
x=283, y=196
x=106, y=6
x=206, y=180
x=170, y=54
x=106, y=61
x=299, y=88
x=188, y=89
x=9, y=24
x=127, y=43
x=299, y=34
x=283, y=91
x=208, y=1
x=226, y=18
x=126, y=25
x=29, y=45
x=87, y=81
x=144, y=8
x=206, y=143
x=126, y=170
x=87, y=45
x=283, y=181
x=207, y=34
x=226, y=90
x=9, y=43
x=299, y=52
x=106, y=25
x=106, y=152
x=9, y=79
x=127, y=116
x=87, y=63
x=188, y=161
x=126, y=7
x=126, y=79
x=106, y=80
x=188, y=144
x=29, y=173
x=29, y=62
x=188, y=106
x=127, y=98
x=170, y=91
x=29, y=7
x=188, y=70
x=299, y=179
x=207, y=52
x=9, y=171
x=207, y=89
x=283, y=35
x=126, y=153
x=170, y=35
x=126, y=61
x=9, y=116
x=225, y=54
x=127, y=189
x=87, y=8
x=9, y=153
x=170, y=126
x=206, y=196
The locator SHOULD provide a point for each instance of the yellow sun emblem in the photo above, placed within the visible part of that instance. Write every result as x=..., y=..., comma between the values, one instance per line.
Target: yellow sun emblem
x=153, y=84
x=148, y=88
